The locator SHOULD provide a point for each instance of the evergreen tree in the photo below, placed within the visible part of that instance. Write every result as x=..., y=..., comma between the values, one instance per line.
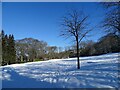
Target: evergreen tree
x=0, y=48
x=8, y=49
x=11, y=49
x=5, y=49
x=4, y=45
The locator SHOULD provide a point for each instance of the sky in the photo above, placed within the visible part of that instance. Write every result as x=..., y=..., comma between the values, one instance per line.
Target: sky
x=41, y=20
x=0, y=15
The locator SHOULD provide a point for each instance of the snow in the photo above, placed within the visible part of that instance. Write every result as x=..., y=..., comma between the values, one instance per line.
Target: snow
x=96, y=72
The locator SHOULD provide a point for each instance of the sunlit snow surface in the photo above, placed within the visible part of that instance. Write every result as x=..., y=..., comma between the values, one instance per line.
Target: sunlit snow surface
x=96, y=72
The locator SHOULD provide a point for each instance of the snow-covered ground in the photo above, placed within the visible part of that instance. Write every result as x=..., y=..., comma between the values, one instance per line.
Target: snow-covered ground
x=96, y=72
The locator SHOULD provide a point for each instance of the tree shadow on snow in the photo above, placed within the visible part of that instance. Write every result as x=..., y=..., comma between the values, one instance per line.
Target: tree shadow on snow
x=19, y=81
x=92, y=75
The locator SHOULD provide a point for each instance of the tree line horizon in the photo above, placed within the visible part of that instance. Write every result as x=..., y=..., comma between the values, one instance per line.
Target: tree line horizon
x=106, y=44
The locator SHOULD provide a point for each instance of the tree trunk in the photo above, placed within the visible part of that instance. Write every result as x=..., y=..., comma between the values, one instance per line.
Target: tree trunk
x=78, y=63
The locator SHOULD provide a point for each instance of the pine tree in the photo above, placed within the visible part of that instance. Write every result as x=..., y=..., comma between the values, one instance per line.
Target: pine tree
x=11, y=49
x=3, y=44
x=8, y=49
x=0, y=48
x=4, y=48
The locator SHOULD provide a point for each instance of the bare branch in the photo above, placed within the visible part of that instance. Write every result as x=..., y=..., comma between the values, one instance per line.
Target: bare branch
x=84, y=35
x=75, y=26
x=111, y=21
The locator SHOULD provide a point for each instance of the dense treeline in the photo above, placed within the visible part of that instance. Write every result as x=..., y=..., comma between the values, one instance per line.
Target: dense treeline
x=29, y=49
x=41, y=50
x=106, y=44
x=8, y=49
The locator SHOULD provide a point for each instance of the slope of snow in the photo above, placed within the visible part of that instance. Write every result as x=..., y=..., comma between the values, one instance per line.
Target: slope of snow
x=96, y=72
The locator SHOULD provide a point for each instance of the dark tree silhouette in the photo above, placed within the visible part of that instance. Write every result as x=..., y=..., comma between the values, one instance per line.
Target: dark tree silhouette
x=112, y=19
x=0, y=48
x=75, y=25
x=8, y=49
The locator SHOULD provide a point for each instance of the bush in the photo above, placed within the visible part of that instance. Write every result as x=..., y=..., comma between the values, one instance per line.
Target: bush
x=38, y=60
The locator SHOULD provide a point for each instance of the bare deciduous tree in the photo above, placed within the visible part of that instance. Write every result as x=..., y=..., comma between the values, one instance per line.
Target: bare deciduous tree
x=112, y=18
x=75, y=25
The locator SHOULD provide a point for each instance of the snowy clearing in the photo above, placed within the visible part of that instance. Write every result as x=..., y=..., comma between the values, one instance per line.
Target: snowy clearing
x=96, y=72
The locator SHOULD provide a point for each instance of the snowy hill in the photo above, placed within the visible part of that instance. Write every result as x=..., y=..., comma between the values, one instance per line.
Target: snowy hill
x=96, y=72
